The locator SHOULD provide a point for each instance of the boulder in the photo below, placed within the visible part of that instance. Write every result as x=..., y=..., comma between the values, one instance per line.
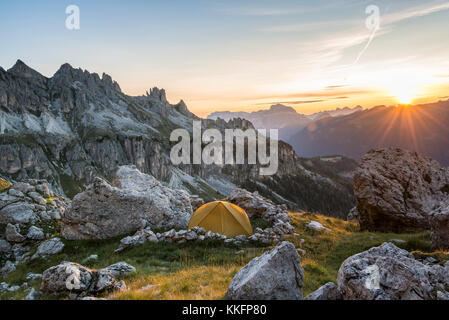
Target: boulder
x=12, y=233
x=390, y=273
x=49, y=247
x=120, y=268
x=256, y=205
x=327, y=292
x=397, y=190
x=67, y=277
x=35, y=233
x=276, y=275
x=78, y=281
x=104, y=211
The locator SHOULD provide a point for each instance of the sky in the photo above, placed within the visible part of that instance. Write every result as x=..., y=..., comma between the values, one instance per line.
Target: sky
x=243, y=55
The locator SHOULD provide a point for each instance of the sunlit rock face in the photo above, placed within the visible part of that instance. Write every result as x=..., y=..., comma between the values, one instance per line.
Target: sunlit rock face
x=397, y=190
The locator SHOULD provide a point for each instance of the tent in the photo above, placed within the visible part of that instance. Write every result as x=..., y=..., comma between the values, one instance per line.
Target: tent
x=222, y=217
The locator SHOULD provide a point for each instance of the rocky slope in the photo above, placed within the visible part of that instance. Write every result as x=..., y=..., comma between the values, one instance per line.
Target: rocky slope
x=77, y=125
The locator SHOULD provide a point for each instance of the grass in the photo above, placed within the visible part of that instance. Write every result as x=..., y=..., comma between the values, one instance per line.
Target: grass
x=203, y=270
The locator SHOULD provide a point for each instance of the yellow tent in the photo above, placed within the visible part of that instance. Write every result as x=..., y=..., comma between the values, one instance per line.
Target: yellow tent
x=222, y=217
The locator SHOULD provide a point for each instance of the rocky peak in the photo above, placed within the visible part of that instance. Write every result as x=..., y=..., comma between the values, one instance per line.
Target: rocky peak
x=20, y=69
x=282, y=108
x=158, y=94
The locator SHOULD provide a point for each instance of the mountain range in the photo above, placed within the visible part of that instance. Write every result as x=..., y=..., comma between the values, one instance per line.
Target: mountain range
x=282, y=117
x=422, y=128
x=76, y=125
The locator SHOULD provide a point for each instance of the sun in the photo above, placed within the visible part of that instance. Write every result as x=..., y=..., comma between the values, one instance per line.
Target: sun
x=404, y=92
x=405, y=97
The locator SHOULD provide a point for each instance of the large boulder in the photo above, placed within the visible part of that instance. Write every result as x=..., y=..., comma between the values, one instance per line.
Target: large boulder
x=397, y=190
x=276, y=275
x=77, y=281
x=390, y=273
x=134, y=200
x=256, y=205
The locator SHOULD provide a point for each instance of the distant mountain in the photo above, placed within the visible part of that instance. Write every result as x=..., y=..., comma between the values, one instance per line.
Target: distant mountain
x=282, y=117
x=422, y=128
x=76, y=125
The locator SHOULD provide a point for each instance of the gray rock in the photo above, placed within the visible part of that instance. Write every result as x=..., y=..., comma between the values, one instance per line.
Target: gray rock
x=49, y=247
x=35, y=233
x=67, y=277
x=37, y=198
x=256, y=205
x=18, y=213
x=12, y=233
x=389, y=273
x=105, y=280
x=329, y=291
x=315, y=225
x=77, y=281
x=276, y=275
x=33, y=295
x=16, y=193
x=8, y=268
x=92, y=257
x=104, y=211
x=33, y=276
x=120, y=268
x=5, y=247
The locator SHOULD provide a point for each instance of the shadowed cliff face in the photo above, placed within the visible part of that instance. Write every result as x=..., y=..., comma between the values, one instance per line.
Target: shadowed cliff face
x=77, y=125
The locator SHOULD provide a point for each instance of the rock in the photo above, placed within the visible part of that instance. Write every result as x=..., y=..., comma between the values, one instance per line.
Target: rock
x=74, y=280
x=315, y=225
x=397, y=191
x=439, y=224
x=353, y=215
x=256, y=205
x=18, y=213
x=389, y=273
x=67, y=277
x=33, y=295
x=49, y=247
x=37, y=198
x=92, y=257
x=104, y=211
x=8, y=268
x=276, y=275
x=329, y=291
x=33, y=276
x=35, y=233
x=139, y=238
x=105, y=280
x=196, y=202
x=5, y=247
x=12, y=233
x=120, y=268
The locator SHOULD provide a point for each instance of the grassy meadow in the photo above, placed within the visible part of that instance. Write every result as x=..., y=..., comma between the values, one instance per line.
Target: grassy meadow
x=203, y=270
